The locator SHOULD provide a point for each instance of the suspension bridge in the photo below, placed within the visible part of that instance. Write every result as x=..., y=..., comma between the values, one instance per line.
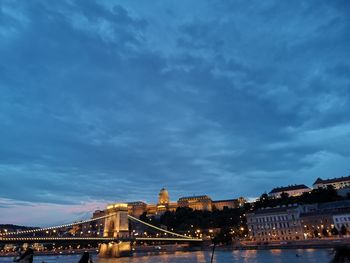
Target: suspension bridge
x=115, y=240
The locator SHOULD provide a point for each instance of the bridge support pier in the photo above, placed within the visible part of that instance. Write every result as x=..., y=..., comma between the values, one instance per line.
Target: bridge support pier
x=115, y=250
x=116, y=226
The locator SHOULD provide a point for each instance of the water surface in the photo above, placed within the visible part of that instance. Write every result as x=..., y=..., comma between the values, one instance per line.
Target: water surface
x=264, y=256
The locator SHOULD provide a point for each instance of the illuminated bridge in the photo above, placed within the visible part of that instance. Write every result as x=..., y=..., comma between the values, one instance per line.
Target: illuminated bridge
x=116, y=239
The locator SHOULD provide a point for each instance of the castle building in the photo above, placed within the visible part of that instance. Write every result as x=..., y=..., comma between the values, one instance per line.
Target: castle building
x=337, y=183
x=201, y=202
x=164, y=203
x=163, y=197
x=137, y=208
x=228, y=204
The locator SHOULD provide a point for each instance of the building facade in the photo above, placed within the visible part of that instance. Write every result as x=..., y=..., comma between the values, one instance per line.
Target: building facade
x=315, y=221
x=291, y=190
x=341, y=220
x=337, y=183
x=275, y=224
x=228, y=204
x=201, y=202
x=136, y=209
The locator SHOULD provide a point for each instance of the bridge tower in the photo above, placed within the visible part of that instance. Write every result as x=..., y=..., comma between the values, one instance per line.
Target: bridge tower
x=116, y=226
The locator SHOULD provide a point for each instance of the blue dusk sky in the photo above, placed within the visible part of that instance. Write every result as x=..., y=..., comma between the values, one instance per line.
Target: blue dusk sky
x=106, y=101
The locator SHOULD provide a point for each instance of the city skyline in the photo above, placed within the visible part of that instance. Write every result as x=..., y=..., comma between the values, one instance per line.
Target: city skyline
x=104, y=101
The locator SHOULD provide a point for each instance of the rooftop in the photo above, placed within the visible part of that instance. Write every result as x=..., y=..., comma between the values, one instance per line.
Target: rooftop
x=332, y=180
x=288, y=188
x=271, y=210
x=228, y=200
x=136, y=203
x=200, y=197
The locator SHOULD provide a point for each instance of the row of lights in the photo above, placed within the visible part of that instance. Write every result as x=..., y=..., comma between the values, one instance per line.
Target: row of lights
x=167, y=239
x=160, y=229
x=54, y=238
x=54, y=227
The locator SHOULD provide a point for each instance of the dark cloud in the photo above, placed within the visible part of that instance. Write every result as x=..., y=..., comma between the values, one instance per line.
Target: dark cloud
x=105, y=101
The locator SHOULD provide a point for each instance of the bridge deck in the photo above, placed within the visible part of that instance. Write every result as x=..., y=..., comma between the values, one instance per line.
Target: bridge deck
x=7, y=240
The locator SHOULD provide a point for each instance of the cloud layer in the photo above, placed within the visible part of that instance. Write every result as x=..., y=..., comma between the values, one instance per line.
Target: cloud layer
x=112, y=100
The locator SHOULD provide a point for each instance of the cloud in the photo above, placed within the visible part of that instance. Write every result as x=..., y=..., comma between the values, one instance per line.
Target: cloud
x=104, y=101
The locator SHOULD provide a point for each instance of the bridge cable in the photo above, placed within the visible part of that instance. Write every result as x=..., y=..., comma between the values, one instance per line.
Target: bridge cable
x=56, y=227
x=158, y=228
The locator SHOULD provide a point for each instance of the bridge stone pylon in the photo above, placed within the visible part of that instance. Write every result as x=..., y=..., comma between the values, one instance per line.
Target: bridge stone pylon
x=117, y=224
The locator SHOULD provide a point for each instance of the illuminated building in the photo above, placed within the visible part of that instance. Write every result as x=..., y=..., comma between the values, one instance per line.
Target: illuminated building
x=298, y=222
x=342, y=219
x=228, y=204
x=137, y=208
x=164, y=203
x=291, y=190
x=314, y=220
x=337, y=183
x=163, y=197
x=201, y=202
x=275, y=224
x=319, y=219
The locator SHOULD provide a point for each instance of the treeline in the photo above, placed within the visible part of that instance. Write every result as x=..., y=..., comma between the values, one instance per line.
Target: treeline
x=223, y=225
x=320, y=195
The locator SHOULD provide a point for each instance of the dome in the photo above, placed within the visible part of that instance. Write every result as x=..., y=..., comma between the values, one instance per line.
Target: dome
x=163, y=196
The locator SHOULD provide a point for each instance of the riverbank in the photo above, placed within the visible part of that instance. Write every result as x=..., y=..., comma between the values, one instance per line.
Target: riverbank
x=54, y=253
x=324, y=243
x=243, y=256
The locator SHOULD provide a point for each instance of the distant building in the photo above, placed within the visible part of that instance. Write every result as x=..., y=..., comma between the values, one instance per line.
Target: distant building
x=163, y=197
x=164, y=203
x=275, y=224
x=136, y=208
x=337, y=183
x=201, y=202
x=342, y=219
x=319, y=219
x=230, y=204
x=291, y=190
x=315, y=220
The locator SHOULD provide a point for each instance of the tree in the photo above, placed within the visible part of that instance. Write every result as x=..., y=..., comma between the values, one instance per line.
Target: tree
x=324, y=232
x=224, y=236
x=284, y=196
x=343, y=230
x=334, y=231
x=264, y=198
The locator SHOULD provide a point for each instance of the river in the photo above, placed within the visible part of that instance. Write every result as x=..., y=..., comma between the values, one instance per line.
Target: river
x=250, y=256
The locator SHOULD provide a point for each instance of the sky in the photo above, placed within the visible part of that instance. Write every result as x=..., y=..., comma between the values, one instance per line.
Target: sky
x=109, y=101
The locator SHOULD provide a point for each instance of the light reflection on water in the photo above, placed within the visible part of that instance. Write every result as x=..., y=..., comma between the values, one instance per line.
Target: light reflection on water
x=248, y=256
